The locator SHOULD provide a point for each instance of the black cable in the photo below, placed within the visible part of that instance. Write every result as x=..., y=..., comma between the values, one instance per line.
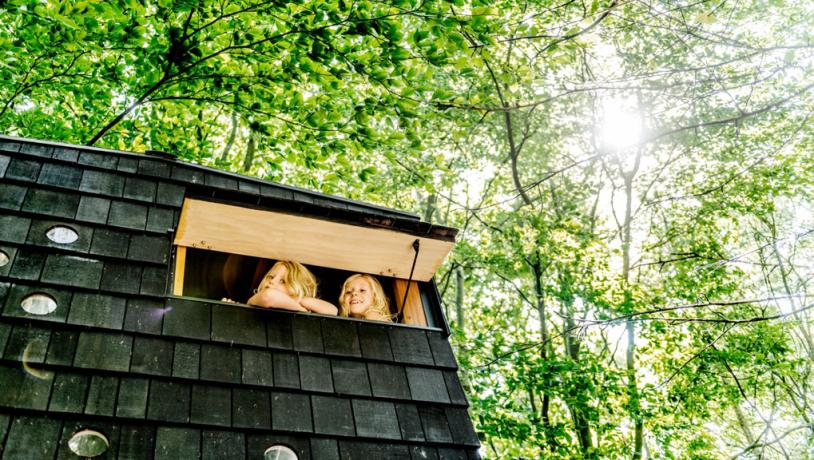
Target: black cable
x=416, y=247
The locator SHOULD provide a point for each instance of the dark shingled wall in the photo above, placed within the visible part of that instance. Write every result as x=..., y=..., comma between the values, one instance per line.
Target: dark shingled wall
x=174, y=378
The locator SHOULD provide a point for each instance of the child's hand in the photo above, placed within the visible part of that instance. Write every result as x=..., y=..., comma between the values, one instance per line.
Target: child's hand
x=318, y=306
x=226, y=299
x=274, y=298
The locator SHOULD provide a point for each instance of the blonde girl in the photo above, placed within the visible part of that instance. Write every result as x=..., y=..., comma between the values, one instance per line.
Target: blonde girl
x=290, y=286
x=363, y=297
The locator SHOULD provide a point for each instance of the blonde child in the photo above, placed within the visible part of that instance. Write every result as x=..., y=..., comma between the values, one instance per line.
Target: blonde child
x=363, y=297
x=290, y=286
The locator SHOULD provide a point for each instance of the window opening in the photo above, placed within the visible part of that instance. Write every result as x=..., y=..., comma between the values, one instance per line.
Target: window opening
x=39, y=304
x=4, y=258
x=62, y=234
x=279, y=452
x=88, y=443
x=217, y=275
x=223, y=251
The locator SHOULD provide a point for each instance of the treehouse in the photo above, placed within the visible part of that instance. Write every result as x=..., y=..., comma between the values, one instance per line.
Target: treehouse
x=115, y=341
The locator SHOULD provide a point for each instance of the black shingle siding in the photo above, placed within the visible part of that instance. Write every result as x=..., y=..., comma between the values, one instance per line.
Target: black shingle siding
x=59, y=175
x=251, y=408
x=333, y=416
x=66, y=154
x=102, y=395
x=307, y=334
x=11, y=196
x=51, y=203
x=22, y=169
x=256, y=367
x=167, y=378
x=93, y=209
x=350, y=377
x=211, y=405
x=32, y=437
x=342, y=341
x=315, y=374
x=97, y=310
x=220, y=363
x=4, y=162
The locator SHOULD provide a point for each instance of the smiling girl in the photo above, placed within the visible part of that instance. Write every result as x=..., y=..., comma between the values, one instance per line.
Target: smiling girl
x=363, y=297
x=290, y=286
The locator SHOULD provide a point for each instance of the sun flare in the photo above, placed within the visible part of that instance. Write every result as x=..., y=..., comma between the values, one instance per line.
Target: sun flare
x=620, y=125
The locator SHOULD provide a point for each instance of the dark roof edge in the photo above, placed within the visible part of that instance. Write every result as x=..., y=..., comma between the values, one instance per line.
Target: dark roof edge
x=373, y=208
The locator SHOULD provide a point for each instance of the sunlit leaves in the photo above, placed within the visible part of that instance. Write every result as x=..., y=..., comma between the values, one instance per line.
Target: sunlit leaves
x=305, y=77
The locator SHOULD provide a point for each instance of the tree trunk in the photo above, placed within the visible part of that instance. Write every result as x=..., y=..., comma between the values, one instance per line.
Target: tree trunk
x=459, y=298
x=429, y=209
x=572, y=346
x=633, y=391
x=247, y=161
x=581, y=425
x=224, y=156
x=634, y=405
x=747, y=432
x=541, y=311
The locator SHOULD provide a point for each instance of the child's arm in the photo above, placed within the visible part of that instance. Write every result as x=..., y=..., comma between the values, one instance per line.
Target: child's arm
x=318, y=306
x=272, y=298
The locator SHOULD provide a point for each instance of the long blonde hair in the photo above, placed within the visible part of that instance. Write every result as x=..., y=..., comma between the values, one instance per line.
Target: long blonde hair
x=380, y=304
x=299, y=280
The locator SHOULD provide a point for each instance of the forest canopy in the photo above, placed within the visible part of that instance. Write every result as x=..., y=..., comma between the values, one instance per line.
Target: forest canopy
x=633, y=181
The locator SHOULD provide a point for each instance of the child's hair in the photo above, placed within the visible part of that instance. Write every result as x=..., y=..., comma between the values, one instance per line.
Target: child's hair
x=380, y=304
x=300, y=281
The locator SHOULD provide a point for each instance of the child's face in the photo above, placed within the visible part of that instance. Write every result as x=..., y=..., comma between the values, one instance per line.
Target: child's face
x=275, y=279
x=358, y=296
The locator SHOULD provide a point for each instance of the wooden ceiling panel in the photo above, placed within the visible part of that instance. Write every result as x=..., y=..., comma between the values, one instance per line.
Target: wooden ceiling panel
x=278, y=236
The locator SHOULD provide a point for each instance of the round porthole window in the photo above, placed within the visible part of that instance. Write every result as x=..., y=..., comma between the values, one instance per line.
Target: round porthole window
x=39, y=304
x=62, y=234
x=3, y=258
x=88, y=443
x=279, y=452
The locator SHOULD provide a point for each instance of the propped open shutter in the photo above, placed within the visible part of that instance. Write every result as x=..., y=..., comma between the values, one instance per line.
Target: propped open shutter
x=274, y=235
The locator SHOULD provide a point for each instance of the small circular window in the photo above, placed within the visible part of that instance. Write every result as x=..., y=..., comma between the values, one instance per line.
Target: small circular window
x=62, y=234
x=3, y=258
x=279, y=452
x=39, y=304
x=88, y=443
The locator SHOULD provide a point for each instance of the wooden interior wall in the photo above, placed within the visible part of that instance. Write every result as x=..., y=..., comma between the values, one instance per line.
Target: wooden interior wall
x=413, y=309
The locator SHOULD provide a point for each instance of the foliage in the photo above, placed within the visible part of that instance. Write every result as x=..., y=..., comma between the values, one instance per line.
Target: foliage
x=611, y=297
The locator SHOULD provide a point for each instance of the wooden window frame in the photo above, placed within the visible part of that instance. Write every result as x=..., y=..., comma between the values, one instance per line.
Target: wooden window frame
x=245, y=231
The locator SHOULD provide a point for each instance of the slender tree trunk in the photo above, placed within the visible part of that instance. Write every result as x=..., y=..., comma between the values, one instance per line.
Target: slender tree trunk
x=634, y=405
x=633, y=391
x=514, y=149
x=430, y=208
x=572, y=346
x=224, y=156
x=514, y=153
x=537, y=271
x=581, y=425
x=747, y=432
x=247, y=161
x=460, y=315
